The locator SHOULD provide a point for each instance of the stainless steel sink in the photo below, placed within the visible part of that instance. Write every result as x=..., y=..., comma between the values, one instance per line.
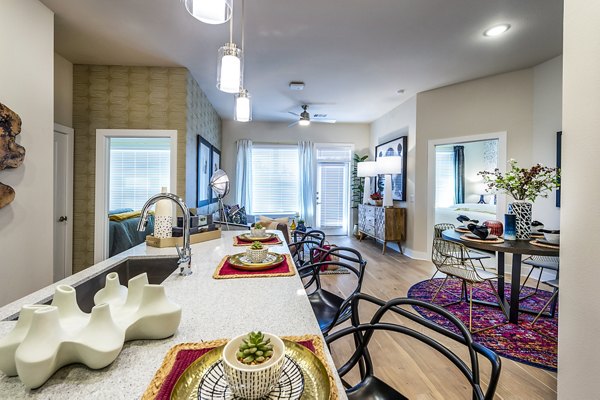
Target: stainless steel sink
x=157, y=269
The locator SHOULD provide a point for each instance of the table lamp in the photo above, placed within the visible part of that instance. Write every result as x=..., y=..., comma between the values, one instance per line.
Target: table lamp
x=366, y=169
x=388, y=166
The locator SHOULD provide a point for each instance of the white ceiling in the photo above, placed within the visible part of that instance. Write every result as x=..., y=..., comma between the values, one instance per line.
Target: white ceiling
x=353, y=55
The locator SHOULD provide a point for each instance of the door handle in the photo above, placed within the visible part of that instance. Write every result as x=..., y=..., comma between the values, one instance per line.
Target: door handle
x=62, y=218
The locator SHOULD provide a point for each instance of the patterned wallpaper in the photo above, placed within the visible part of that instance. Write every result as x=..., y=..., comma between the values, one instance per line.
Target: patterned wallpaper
x=113, y=97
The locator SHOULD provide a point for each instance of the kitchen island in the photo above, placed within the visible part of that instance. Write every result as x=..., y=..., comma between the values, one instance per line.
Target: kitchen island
x=211, y=309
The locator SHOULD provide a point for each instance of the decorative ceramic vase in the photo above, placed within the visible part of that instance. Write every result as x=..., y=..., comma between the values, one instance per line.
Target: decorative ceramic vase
x=301, y=227
x=510, y=227
x=523, y=210
x=257, y=255
x=252, y=381
x=495, y=227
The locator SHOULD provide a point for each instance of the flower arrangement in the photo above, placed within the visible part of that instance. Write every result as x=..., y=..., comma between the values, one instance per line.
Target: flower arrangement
x=522, y=183
x=376, y=196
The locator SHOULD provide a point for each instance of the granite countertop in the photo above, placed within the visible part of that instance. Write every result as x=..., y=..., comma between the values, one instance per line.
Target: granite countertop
x=211, y=309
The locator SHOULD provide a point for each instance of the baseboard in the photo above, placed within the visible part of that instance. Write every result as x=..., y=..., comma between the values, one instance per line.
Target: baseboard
x=416, y=255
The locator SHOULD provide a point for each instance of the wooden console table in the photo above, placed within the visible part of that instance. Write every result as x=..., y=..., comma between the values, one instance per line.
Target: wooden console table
x=387, y=224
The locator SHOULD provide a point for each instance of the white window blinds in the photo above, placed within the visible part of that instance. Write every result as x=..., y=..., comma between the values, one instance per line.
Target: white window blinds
x=275, y=179
x=333, y=180
x=139, y=167
x=444, y=177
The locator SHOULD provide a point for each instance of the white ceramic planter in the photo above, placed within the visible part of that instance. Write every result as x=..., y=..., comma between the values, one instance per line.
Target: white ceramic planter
x=48, y=337
x=252, y=381
x=257, y=256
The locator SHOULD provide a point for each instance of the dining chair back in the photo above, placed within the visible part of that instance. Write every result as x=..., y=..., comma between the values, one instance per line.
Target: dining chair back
x=372, y=388
x=302, y=248
x=329, y=308
x=470, y=255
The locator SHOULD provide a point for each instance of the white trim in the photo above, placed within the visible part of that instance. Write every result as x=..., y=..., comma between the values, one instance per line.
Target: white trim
x=500, y=199
x=101, y=195
x=70, y=132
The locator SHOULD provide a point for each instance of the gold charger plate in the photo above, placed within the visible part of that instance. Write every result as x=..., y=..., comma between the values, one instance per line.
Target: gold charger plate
x=247, y=237
x=237, y=262
x=316, y=380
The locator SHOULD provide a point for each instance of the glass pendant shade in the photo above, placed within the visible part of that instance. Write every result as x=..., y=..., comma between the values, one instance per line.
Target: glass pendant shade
x=210, y=11
x=229, y=70
x=243, y=106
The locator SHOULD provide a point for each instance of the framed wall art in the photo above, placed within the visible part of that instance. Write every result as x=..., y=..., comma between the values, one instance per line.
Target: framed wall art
x=396, y=147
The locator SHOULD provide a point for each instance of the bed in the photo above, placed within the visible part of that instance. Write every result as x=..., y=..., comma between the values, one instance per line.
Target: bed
x=481, y=212
x=123, y=234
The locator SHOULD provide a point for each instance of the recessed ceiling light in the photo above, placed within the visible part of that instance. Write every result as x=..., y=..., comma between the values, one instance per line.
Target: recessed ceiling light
x=496, y=30
x=400, y=91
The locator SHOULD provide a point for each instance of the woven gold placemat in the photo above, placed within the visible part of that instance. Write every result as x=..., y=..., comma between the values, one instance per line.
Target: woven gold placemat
x=548, y=246
x=496, y=241
x=169, y=361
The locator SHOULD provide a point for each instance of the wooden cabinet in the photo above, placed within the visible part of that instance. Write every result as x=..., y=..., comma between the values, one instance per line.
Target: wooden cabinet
x=381, y=223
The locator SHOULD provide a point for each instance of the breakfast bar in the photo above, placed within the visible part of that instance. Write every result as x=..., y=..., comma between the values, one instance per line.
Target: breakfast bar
x=211, y=309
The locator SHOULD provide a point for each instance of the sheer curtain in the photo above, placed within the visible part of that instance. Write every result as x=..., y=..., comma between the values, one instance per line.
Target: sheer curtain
x=306, y=195
x=243, y=174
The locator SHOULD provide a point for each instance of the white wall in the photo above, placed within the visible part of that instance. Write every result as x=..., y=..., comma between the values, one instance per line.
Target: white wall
x=401, y=121
x=547, y=120
x=579, y=320
x=26, y=82
x=63, y=91
x=275, y=132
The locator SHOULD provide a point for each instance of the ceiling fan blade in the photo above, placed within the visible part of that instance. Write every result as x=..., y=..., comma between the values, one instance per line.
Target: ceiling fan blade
x=293, y=113
x=324, y=121
x=292, y=124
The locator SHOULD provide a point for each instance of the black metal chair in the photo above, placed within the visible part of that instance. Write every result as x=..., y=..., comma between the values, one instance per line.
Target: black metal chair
x=302, y=248
x=329, y=308
x=372, y=388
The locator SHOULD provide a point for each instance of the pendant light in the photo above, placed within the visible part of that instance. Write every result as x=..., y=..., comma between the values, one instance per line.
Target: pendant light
x=243, y=106
x=210, y=11
x=229, y=68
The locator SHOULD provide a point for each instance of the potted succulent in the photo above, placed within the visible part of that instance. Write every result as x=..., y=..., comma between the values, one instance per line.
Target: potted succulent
x=252, y=364
x=257, y=252
x=377, y=199
x=524, y=185
x=258, y=230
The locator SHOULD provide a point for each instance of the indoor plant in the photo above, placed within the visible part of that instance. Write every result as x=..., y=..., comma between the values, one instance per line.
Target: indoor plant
x=258, y=230
x=252, y=364
x=257, y=252
x=524, y=185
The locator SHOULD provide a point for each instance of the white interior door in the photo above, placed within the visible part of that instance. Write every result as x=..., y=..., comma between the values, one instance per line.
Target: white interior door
x=333, y=186
x=62, y=265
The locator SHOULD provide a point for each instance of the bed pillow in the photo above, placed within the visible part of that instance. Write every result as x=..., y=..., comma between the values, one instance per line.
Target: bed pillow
x=119, y=211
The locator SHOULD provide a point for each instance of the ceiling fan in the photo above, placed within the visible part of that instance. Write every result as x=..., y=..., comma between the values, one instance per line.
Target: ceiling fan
x=305, y=119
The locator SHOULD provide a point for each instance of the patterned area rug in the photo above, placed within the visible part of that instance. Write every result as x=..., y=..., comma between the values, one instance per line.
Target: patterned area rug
x=532, y=345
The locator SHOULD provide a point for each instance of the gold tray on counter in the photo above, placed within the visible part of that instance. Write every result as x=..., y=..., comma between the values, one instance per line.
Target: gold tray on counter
x=204, y=378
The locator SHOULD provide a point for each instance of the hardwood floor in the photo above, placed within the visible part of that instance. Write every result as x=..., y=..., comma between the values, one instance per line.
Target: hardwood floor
x=412, y=368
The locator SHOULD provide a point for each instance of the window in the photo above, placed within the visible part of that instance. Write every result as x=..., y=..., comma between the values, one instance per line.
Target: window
x=275, y=179
x=444, y=177
x=139, y=167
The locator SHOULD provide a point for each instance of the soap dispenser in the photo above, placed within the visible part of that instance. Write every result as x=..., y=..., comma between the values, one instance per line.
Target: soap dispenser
x=163, y=218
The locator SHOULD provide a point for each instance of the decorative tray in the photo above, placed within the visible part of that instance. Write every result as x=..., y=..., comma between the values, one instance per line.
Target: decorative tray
x=249, y=238
x=303, y=377
x=241, y=261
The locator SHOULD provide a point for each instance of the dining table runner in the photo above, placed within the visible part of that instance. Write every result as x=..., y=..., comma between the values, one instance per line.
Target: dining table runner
x=183, y=355
x=226, y=271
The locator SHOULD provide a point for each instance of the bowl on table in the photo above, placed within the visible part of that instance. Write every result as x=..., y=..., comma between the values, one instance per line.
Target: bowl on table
x=258, y=232
x=257, y=255
x=551, y=236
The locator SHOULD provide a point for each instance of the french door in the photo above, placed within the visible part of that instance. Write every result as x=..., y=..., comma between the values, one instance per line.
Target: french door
x=333, y=194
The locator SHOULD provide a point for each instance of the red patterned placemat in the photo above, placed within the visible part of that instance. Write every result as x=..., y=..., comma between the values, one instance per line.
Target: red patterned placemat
x=183, y=355
x=241, y=242
x=226, y=271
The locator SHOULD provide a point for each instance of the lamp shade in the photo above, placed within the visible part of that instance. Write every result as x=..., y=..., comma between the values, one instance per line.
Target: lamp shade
x=389, y=165
x=210, y=11
x=366, y=168
x=229, y=70
x=243, y=107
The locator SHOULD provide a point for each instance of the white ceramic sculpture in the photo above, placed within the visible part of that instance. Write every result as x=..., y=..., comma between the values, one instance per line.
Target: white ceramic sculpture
x=48, y=337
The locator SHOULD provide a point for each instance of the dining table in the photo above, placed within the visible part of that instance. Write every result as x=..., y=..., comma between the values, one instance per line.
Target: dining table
x=517, y=248
x=212, y=309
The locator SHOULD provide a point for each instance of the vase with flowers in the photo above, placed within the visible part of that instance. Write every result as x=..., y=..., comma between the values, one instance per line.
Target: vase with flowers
x=376, y=199
x=524, y=185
